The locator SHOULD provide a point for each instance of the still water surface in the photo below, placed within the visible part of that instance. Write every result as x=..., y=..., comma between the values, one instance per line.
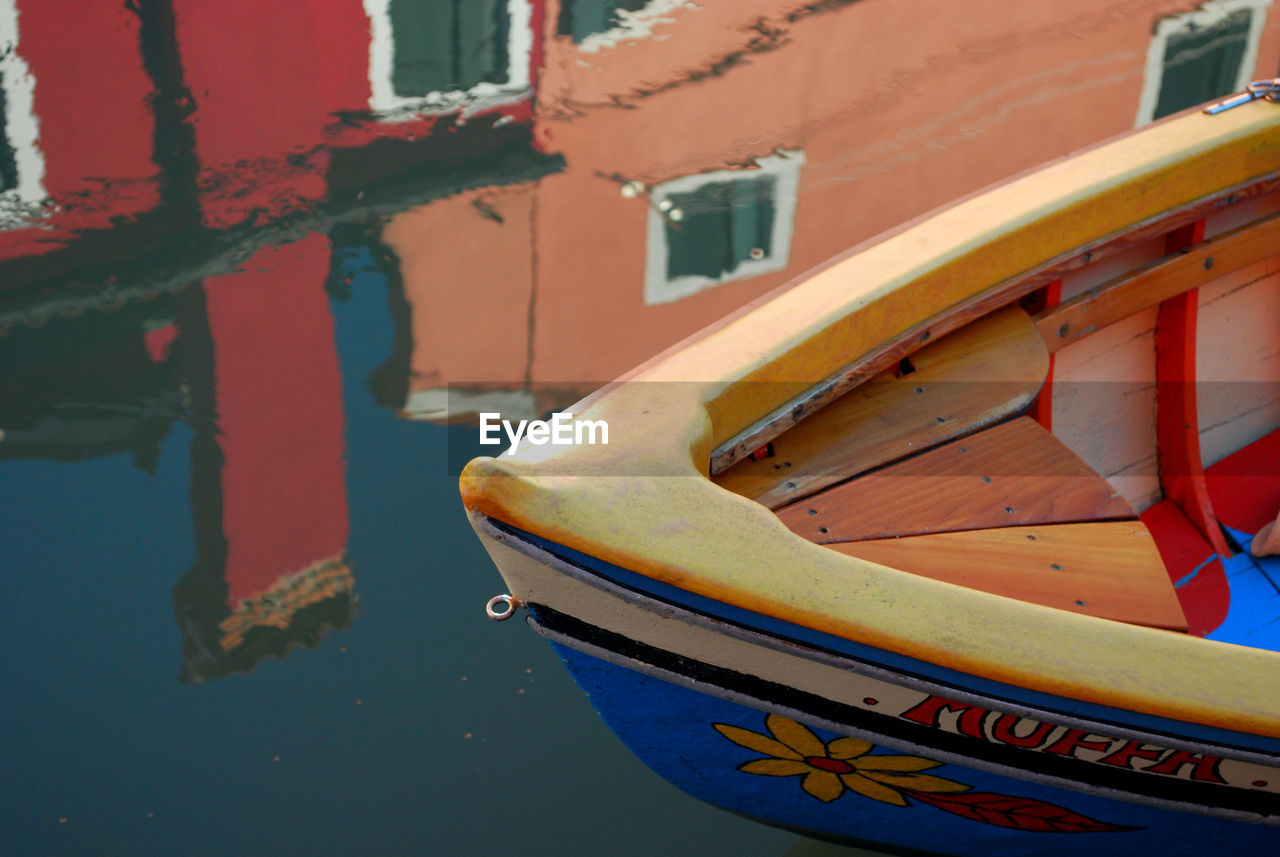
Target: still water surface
x=259, y=270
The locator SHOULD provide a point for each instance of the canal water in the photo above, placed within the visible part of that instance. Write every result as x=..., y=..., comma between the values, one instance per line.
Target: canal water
x=260, y=269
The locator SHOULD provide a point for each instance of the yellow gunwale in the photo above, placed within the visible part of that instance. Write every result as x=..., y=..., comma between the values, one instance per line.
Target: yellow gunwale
x=645, y=502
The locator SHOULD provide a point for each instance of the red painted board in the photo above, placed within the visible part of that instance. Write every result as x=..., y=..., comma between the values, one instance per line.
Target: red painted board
x=1245, y=486
x=1042, y=408
x=1198, y=576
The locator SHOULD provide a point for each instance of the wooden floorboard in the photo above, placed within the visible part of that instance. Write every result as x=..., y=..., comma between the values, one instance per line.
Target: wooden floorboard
x=1012, y=474
x=1110, y=569
x=969, y=379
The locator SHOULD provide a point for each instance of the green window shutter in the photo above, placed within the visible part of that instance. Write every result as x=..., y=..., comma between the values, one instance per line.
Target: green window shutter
x=1202, y=63
x=482, y=42
x=443, y=45
x=8, y=161
x=721, y=225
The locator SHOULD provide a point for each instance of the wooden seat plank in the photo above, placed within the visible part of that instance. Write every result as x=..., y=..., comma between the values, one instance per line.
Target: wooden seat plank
x=1169, y=277
x=1110, y=569
x=966, y=380
x=1013, y=474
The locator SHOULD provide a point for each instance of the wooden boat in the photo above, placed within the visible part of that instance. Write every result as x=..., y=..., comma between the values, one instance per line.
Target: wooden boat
x=863, y=560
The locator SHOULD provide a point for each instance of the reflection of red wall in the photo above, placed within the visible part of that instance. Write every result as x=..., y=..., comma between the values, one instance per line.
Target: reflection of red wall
x=268, y=81
x=261, y=91
x=94, y=125
x=340, y=36
x=274, y=85
x=279, y=415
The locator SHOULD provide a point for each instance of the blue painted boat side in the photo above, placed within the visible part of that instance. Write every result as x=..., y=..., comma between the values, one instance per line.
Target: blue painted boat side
x=996, y=691
x=1253, y=618
x=832, y=787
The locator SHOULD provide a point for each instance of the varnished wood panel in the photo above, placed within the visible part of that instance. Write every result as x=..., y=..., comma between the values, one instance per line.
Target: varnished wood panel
x=966, y=380
x=1111, y=570
x=1012, y=474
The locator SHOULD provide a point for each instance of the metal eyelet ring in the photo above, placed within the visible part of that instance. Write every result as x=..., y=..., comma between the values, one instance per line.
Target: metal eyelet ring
x=1266, y=90
x=502, y=607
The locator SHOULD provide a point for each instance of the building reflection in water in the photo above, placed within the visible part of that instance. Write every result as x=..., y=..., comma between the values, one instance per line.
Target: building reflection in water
x=173, y=267
x=715, y=151
x=554, y=189
x=268, y=483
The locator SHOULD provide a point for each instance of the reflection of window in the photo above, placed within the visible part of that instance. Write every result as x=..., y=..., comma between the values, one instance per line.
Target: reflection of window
x=716, y=227
x=439, y=54
x=1201, y=55
x=582, y=18
x=21, y=162
x=454, y=45
x=8, y=164
x=722, y=225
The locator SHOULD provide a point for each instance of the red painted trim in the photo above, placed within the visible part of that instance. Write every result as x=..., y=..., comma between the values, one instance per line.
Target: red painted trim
x=537, y=29
x=1042, y=409
x=1204, y=594
x=1245, y=486
x=1177, y=418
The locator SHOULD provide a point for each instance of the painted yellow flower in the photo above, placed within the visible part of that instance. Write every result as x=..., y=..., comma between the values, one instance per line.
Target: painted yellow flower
x=829, y=769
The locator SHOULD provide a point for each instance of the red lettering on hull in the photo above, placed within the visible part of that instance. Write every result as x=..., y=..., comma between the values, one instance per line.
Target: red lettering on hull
x=1131, y=750
x=1078, y=739
x=1003, y=731
x=930, y=712
x=1029, y=734
x=1204, y=767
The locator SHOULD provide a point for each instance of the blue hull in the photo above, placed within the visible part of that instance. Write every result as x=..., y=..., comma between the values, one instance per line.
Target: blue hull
x=846, y=790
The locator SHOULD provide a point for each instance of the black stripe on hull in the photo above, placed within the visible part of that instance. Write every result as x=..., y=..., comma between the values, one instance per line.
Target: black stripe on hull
x=1166, y=792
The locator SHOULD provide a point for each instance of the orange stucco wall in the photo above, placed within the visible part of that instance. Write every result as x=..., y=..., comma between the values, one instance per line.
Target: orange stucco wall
x=899, y=108
x=469, y=281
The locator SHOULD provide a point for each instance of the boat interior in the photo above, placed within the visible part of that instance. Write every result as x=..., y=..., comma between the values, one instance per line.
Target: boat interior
x=1108, y=443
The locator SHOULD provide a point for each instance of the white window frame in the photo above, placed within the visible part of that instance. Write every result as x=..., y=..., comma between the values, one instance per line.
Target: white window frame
x=1210, y=13
x=633, y=26
x=442, y=404
x=19, y=205
x=382, y=46
x=785, y=169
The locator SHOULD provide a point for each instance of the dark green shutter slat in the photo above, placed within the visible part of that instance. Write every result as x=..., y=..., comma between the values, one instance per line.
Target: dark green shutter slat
x=442, y=45
x=697, y=243
x=482, y=30
x=721, y=223
x=752, y=222
x=423, y=55
x=1203, y=64
x=8, y=160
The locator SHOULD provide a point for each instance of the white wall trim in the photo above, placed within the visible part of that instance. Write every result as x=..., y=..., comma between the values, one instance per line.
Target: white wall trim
x=440, y=404
x=633, y=26
x=19, y=204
